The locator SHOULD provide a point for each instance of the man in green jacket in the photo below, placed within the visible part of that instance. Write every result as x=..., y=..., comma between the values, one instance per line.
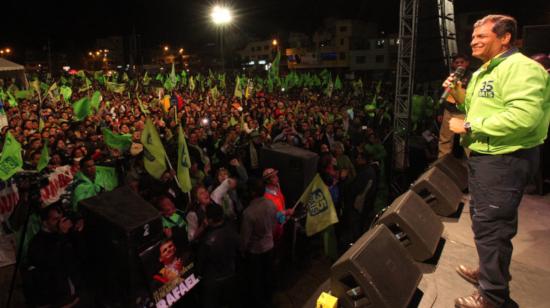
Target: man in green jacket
x=507, y=105
x=84, y=181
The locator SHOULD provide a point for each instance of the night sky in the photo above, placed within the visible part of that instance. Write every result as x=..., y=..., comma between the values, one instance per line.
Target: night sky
x=74, y=25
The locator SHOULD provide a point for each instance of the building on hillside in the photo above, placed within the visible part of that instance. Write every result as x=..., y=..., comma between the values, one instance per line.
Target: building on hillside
x=330, y=45
x=374, y=54
x=259, y=52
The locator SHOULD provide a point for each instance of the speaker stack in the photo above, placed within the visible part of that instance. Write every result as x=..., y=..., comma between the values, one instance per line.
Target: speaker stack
x=119, y=225
x=454, y=169
x=414, y=224
x=376, y=271
x=379, y=270
x=438, y=191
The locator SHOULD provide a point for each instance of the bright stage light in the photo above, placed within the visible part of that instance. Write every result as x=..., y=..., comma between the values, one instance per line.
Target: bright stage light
x=221, y=15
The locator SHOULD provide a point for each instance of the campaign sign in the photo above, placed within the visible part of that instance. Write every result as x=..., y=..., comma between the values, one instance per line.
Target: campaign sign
x=58, y=182
x=169, y=272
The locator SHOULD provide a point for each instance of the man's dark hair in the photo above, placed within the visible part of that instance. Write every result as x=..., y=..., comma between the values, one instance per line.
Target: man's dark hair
x=461, y=56
x=256, y=187
x=214, y=212
x=502, y=24
x=84, y=160
x=45, y=212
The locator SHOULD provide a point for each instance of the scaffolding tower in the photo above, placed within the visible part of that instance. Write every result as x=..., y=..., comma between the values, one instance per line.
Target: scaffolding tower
x=404, y=85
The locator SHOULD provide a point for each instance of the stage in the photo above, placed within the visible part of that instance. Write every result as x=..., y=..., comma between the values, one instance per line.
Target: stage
x=440, y=285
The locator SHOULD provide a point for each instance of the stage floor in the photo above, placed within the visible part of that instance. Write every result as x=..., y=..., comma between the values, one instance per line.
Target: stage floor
x=530, y=268
x=440, y=285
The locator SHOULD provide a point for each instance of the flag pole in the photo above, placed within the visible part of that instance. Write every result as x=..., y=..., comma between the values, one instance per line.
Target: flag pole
x=171, y=168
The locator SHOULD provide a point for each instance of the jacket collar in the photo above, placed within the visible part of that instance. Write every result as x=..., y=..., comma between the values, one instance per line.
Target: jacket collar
x=500, y=58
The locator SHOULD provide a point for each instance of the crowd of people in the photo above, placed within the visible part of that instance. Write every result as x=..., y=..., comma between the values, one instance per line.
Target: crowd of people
x=236, y=208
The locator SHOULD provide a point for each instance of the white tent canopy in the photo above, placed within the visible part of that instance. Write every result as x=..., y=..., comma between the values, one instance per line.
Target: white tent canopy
x=10, y=69
x=6, y=65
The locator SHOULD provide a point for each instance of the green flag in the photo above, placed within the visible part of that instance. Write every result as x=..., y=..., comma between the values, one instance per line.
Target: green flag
x=115, y=87
x=338, y=83
x=106, y=177
x=141, y=107
x=183, y=77
x=269, y=85
x=35, y=86
x=11, y=100
x=82, y=108
x=172, y=81
x=23, y=94
x=192, y=84
x=117, y=141
x=86, y=86
x=274, y=69
x=96, y=100
x=319, y=206
x=184, y=162
x=378, y=86
x=238, y=89
x=146, y=79
x=53, y=92
x=11, y=160
x=81, y=74
x=215, y=93
x=159, y=77
x=221, y=78
x=98, y=75
x=153, y=150
x=66, y=92
x=44, y=157
x=357, y=87
x=325, y=77
x=329, y=88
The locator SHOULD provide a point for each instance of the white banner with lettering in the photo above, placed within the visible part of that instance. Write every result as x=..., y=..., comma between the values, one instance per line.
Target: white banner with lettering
x=59, y=180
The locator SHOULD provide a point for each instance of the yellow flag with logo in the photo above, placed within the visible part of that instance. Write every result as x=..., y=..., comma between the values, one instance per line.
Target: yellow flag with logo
x=153, y=150
x=319, y=206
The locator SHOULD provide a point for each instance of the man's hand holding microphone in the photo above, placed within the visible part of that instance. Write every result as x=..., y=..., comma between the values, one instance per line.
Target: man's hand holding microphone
x=453, y=88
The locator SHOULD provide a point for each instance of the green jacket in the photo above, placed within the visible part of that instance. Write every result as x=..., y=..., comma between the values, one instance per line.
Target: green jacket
x=508, y=105
x=84, y=189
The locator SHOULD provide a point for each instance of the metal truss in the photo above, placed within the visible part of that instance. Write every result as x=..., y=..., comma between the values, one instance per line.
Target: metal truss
x=404, y=86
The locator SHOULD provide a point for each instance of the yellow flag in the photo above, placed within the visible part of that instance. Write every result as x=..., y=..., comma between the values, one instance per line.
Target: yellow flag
x=319, y=206
x=153, y=150
x=166, y=103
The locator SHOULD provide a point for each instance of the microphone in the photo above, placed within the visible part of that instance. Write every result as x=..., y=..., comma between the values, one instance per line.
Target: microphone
x=459, y=73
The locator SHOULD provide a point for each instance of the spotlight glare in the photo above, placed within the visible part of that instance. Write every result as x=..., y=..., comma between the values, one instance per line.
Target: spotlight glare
x=221, y=15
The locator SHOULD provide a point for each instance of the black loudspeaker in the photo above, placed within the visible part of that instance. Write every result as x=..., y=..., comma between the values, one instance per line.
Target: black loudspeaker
x=376, y=272
x=453, y=168
x=118, y=226
x=416, y=226
x=296, y=166
x=439, y=191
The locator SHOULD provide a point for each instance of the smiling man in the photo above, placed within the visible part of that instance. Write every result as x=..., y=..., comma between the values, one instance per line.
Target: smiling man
x=507, y=104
